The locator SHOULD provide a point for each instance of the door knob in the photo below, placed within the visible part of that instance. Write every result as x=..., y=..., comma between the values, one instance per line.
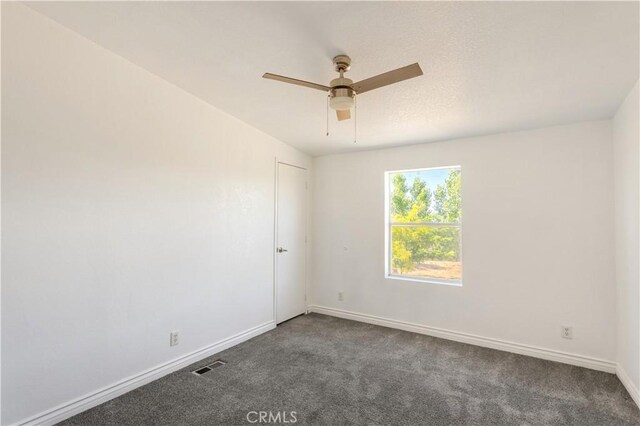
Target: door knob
x=280, y=250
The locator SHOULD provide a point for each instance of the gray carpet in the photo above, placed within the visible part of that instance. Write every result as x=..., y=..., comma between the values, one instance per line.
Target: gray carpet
x=331, y=371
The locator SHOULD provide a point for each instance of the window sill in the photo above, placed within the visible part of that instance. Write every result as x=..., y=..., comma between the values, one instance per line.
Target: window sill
x=452, y=283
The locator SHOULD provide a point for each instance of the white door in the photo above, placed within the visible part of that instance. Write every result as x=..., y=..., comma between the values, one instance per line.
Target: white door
x=291, y=242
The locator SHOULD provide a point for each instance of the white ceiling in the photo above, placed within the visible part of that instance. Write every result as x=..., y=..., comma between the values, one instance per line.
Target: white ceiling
x=489, y=67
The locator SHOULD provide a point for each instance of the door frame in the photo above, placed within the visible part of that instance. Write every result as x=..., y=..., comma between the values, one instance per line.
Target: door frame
x=275, y=236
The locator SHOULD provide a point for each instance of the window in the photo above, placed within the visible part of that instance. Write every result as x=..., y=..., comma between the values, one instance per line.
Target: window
x=423, y=215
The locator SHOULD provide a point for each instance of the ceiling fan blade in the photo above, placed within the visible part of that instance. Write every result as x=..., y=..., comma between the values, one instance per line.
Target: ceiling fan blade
x=296, y=82
x=387, y=78
x=343, y=114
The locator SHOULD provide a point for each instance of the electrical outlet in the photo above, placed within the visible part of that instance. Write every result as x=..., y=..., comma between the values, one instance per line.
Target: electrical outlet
x=340, y=296
x=173, y=338
x=566, y=332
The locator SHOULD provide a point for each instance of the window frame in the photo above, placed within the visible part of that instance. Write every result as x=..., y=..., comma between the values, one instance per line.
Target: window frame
x=388, y=225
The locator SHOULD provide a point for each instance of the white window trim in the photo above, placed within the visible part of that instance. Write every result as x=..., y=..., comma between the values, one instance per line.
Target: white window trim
x=387, y=233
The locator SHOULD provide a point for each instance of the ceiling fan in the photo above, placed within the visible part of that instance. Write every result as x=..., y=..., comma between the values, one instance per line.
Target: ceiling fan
x=342, y=91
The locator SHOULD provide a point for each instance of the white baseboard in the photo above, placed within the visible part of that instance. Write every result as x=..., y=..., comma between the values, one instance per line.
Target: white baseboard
x=487, y=342
x=64, y=411
x=628, y=384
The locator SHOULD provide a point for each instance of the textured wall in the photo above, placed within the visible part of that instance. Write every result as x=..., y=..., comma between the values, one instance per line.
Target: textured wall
x=537, y=238
x=626, y=141
x=130, y=209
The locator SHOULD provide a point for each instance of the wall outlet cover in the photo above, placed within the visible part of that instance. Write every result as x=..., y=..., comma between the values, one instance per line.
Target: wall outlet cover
x=173, y=338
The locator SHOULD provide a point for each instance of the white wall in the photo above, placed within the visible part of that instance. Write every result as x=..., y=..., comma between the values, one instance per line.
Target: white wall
x=626, y=139
x=129, y=209
x=537, y=238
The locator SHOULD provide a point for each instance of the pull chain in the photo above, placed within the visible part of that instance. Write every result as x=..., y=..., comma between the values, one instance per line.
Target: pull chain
x=328, y=96
x=355, y=119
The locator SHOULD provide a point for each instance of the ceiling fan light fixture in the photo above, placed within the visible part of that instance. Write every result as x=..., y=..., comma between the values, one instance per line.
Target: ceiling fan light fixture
x=342, y=98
